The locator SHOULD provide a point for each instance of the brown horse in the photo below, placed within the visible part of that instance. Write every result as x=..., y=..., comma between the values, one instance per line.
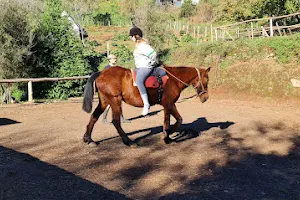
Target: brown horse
x=115, y=85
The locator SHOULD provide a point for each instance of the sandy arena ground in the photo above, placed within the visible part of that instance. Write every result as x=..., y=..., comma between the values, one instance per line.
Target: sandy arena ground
x=240, y=148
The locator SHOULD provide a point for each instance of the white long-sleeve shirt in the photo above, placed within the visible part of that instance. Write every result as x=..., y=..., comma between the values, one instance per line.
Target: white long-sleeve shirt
x=144, y=56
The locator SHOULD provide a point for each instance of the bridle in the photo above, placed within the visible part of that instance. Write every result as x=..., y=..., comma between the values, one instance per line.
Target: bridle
x=203, y=91
x=195, y=87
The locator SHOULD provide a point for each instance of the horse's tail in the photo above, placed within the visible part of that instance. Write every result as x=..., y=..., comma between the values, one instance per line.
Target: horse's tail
x=89, y=93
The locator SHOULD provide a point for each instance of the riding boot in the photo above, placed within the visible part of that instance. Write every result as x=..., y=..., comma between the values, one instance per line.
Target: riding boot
x=146, y=104
x=104, y=120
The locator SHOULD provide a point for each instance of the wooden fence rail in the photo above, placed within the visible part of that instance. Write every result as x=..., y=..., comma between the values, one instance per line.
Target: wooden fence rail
x=31, y=80
x=263, y=27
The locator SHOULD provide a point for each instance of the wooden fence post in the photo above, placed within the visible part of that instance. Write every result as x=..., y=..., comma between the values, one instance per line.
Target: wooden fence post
x=264, y=32
x=278, y=29
x=211, y=33
x=30, y=92
x=252, y=34
x=107, y=48
x=187, y=28
x=271, y=27
x=198, y=34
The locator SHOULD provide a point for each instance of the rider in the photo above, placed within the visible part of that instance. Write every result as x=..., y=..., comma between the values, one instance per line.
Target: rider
x=112, y=61
x=145, y=60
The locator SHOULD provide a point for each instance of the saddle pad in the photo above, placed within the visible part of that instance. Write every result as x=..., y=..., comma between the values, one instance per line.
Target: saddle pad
x=151, y=81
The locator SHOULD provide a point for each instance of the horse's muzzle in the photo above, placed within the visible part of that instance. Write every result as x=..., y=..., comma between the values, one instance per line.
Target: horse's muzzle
x=203, y=97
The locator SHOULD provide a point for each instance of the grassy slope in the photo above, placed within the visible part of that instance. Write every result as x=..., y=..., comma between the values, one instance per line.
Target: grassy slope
x=104, y=34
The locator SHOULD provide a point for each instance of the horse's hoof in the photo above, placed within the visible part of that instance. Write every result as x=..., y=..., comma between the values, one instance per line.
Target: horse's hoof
x=92, y=144
x=168, y=140
x=130, y=143
x=133, y=145
x=88, y=140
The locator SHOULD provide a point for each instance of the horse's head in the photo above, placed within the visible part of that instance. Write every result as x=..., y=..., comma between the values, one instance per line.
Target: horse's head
x=200, y=83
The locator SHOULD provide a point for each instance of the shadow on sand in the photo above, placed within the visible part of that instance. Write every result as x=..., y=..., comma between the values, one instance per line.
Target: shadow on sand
x=25, y=177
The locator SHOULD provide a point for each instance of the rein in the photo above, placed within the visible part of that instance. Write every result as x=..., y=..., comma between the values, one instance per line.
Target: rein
x=199, y=80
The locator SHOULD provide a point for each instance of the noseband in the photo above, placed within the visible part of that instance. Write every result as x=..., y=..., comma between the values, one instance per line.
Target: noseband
x=195, y=87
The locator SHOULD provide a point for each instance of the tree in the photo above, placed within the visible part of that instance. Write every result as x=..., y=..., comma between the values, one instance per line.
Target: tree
x=153, y=20
x=16, y=35
x=187, y=9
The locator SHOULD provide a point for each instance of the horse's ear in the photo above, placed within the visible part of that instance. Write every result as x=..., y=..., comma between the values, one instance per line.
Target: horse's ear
x=207, y=70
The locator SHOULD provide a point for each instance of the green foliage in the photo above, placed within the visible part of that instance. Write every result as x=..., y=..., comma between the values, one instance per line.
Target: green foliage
x=124, y=57
x=286, y=49
x=153, y=20
x=110, y=11
x=121, y=37
x=239, y=10
x=235, y=10
x=181, y=32
x=17, y=94
x=292, y=6
x=187, y=38
x=187, y=9
x=59, y=53
x=123, y=53
x=270, y=8
x=16, y=33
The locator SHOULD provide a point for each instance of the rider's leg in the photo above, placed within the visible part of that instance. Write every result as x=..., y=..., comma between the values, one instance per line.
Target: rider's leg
x=141, y=76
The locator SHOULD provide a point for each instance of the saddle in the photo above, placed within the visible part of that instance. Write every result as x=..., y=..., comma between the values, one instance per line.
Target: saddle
x=158, y=78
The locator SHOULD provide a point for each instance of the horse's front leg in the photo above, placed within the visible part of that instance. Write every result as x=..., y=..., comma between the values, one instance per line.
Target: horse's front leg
x=94, y=117
x=174, y=112
x=166, y=132
x=116, y=113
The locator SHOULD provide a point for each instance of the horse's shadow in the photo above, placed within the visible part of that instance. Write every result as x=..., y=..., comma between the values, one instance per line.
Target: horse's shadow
x=186, y=131
x=149, y=115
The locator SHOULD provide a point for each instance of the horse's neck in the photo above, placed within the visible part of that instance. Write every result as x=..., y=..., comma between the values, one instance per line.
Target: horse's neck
x=184, y=74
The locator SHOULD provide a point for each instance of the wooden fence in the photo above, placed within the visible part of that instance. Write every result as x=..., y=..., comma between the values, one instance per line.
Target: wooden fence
x=30, y=81
x=263, y=27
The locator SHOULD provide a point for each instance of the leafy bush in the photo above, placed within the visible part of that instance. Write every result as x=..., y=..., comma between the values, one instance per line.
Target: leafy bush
x=16, y=37
x=239, y=10
x=204, y=12
x=121, y=37
x=153, y=20
x=187, y=9
x=59, y=53
x=124, y=57
x=187, y=38
x=17, y=94
x=124, y=54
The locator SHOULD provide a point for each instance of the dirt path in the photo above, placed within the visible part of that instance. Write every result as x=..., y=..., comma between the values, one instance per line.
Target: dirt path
x=240, y=149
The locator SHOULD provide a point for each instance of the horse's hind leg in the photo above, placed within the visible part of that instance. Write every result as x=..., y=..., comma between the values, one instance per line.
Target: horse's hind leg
x=94, y=117
x=117, y=111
